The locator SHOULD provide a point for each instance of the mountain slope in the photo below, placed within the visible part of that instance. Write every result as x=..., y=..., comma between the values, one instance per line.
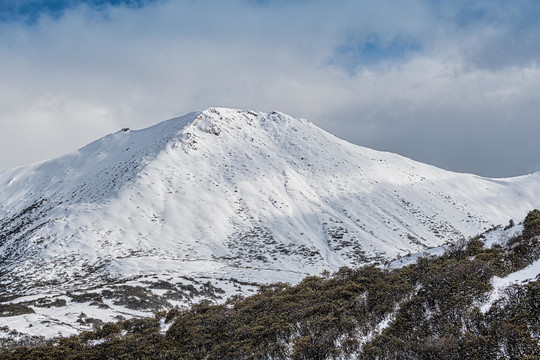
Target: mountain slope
x=437, y=307
x=226, y=194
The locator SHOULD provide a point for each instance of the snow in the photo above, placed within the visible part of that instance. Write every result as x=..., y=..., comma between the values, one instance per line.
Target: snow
x=500, y=235
x=377, y=329
x=413, y=258
x=164, y=327
x=37, y=325
x=97, y=342
x=225, y=193
x=522, y=276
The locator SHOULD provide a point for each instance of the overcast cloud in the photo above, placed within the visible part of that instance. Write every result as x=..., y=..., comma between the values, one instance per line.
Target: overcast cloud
x=454, y=84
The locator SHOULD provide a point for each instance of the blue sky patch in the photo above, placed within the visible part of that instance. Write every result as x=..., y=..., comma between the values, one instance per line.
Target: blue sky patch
x=29, y=11
x=373, y=50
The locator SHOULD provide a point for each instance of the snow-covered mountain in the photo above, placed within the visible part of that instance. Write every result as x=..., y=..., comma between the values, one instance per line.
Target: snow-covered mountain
x=218, y=201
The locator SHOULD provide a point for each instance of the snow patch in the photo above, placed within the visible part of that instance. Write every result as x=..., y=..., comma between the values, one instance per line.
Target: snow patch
x=522, y=276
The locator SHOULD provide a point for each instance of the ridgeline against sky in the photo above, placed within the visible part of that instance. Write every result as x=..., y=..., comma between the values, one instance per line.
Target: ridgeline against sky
x=454, y=84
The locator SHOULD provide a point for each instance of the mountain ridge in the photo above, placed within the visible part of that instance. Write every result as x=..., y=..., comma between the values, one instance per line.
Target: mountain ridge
x=225, y=194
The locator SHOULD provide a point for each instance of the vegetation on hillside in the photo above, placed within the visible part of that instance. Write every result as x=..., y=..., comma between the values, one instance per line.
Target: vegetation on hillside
x=428, y=310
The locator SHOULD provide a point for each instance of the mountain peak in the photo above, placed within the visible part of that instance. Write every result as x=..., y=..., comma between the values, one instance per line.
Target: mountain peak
x=120, y=155
x=226, y=193
x=212, y=120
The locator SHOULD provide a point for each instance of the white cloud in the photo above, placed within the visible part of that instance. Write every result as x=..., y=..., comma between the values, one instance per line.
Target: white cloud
x=80, y=76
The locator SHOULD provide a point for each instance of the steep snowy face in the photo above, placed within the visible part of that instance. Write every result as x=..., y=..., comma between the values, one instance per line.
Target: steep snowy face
x=257, y=196
x=93, y=173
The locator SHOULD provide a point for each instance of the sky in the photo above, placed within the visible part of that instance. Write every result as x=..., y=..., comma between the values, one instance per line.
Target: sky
x=455, y=84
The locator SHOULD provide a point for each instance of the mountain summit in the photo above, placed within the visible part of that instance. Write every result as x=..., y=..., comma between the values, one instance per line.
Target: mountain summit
x=231, y=194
